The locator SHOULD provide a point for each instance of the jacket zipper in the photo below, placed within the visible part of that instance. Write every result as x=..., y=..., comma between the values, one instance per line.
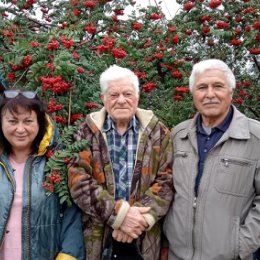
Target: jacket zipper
x=13, y=185
x=28, y=217
x=235, y=162
x=194, y=205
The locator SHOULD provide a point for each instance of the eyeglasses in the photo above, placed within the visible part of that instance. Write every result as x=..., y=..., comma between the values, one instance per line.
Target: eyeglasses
x=15, y=93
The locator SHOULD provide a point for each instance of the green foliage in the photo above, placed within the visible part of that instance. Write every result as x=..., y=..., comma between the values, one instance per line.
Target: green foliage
x=56, y=178
x=78, y=39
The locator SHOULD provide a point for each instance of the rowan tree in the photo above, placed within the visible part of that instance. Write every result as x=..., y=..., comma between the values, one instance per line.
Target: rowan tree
x=59, y=49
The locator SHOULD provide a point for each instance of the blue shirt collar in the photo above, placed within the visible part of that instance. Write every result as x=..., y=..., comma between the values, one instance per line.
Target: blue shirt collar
x=222, y=126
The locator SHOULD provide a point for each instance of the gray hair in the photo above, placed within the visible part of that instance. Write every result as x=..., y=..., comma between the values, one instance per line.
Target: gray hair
x=209, y=64
x=115, y=72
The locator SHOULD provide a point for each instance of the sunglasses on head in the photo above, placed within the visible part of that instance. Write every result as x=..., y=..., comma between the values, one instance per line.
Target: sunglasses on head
x=15, y=93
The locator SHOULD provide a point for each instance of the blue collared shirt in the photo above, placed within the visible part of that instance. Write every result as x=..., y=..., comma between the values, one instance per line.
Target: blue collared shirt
x=122, y=150
x=207, y=141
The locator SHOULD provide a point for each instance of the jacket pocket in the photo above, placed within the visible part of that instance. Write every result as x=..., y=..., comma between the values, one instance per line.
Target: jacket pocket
x=180, y=154
x=235, y=176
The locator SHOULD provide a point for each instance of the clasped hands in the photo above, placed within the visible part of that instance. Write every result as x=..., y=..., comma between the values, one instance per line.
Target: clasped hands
x=133, y=225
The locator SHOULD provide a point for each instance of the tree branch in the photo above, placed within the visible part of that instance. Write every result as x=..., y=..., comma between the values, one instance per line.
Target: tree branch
x=257, y=64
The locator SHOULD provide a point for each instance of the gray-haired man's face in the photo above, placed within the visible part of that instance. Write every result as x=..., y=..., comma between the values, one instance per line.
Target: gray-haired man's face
x=212, y=96
x=121, y=100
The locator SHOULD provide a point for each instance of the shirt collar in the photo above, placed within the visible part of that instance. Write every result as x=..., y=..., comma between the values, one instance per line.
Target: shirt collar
x=222, y=127
x=109, y=124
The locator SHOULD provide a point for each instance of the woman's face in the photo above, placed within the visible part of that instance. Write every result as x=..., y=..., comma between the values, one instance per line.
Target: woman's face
x=20, y=129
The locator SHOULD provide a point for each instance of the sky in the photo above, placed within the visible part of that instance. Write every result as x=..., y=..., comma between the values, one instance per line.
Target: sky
x=169, y=7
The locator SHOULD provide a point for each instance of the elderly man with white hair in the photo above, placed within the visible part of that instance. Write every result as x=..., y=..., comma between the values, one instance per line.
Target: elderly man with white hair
x=123, y=180
x=215, y=214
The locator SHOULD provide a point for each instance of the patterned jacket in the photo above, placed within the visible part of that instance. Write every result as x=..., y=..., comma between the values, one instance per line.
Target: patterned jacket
x=92, y=184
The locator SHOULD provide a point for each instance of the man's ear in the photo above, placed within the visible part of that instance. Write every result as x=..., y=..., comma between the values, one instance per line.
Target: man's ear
x=102, y=98
x=232, y=93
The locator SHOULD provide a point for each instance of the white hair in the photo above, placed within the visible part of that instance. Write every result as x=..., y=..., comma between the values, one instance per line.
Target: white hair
x=210, y=64
x=115, y=72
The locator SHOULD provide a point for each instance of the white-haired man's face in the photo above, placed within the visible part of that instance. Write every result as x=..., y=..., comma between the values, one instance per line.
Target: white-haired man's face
x=212, y=96
x=121, y=100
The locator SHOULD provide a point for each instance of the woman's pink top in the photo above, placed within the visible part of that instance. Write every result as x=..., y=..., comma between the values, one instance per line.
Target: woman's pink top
x=12, y=246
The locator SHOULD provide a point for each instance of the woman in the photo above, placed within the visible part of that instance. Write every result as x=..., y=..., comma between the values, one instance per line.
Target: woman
x=33, y=226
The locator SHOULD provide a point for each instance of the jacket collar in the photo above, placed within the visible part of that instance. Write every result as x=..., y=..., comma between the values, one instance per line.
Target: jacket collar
x=109, y=124
x=48, y=136
x=144, y=117
x=238, y=128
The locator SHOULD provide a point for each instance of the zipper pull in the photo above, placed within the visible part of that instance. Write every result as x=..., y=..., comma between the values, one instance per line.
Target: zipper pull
x=195, y=202
x=226, y=162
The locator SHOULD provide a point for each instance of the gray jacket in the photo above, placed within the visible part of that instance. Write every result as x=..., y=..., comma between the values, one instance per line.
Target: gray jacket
x=223, y=222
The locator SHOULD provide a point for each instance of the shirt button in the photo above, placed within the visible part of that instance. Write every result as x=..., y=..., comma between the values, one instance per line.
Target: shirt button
x=205, y=150
x=208, y=138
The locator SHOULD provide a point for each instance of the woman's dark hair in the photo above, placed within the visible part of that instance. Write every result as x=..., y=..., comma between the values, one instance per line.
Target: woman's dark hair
x=29, y=104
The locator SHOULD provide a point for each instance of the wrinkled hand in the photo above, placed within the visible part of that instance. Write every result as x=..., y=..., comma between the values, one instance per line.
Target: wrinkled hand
x=134, y=223
x=120, y=236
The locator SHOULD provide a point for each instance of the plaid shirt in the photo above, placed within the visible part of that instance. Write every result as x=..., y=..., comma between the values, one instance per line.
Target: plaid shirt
x=122, y=150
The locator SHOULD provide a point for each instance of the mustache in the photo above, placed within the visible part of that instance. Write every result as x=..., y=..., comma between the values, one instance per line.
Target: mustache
x=211, y=103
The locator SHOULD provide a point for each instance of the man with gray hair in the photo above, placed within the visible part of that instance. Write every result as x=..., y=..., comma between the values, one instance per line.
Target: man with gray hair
x=215, y=214
x=123, y=180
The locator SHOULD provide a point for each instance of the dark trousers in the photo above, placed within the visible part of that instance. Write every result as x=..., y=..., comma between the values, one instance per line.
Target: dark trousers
x=257, y=254
x=126, y=251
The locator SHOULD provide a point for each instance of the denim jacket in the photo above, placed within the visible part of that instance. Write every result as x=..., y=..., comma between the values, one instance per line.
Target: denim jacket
x=49, y=231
